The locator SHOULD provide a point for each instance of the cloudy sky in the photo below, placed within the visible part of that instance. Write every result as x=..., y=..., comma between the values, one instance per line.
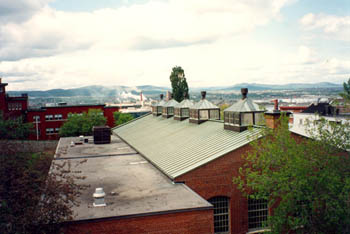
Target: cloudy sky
x=46, y=44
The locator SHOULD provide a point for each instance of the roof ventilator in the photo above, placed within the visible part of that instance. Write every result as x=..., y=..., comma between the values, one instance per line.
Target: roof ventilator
x=204, y=110
x=99, y=197
x=242, y=114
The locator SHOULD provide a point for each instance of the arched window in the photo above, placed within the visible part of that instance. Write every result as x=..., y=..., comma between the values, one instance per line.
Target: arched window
x=221, y=214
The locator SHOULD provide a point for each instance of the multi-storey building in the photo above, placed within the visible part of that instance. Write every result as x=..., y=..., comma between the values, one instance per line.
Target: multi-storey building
x=46, y=120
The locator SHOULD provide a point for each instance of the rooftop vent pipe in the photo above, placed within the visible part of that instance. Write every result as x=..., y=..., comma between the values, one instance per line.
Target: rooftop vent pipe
x=203, y=93
x=161, y=96
x=244, y=92
x=275, y=101
x=99, y=197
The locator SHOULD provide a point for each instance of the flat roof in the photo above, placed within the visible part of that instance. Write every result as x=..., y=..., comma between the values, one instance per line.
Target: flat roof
x=133, y=186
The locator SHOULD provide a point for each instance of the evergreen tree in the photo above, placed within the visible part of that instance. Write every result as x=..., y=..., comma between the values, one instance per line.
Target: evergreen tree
x=178, y=83
x=346, y=93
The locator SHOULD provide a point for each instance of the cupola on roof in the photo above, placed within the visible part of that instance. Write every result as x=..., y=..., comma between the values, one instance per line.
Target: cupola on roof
x=168, y=108
x=242, y=114
x=182, y=109
x=157, y=107
x=203, y=111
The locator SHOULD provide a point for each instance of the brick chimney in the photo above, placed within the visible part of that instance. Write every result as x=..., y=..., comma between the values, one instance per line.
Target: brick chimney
x=273, y=117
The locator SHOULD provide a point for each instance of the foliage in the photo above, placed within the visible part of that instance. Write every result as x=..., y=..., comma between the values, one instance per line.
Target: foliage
x=121, y=118
x=346, y=93
x=14, y=129
x=33, y=200
x=307, y=181
x=82, y=124
x=178, y=83
x=222, y=108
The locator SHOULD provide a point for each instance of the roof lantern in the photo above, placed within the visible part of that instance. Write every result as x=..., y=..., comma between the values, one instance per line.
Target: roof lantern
x=157, y=108
x=182, y=110
x=168, y=107
x=242, y=114
x=204, y=110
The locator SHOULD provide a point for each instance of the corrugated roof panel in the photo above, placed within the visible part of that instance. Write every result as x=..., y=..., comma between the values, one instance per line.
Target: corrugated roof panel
x=204, y=104
x=186, y=103
x=244, y=105
x=179, y=147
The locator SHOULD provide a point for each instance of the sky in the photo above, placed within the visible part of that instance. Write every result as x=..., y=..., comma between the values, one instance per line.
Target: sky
x=49, y=44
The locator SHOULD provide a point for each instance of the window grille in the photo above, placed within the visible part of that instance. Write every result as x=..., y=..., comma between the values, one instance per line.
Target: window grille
x=48, y=117
x=170, y=110
x=214, y=114
x=59, y=116
x=221, y=214
x=36, y=118
x=203, y=114
x=49, y=130
x=257, y=213
x=185, y=112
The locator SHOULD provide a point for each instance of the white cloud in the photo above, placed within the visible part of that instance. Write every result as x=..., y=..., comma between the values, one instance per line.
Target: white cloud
x=336, y=27
x=139, y=44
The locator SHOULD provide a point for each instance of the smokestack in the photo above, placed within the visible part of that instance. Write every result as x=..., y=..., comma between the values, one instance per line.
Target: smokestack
x=244, y=92
x=203, y=93
x=275, y=101
x=99, y=197
x=141, y=96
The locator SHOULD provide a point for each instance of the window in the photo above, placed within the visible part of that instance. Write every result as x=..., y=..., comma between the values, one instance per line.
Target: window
x=221, y=214
x=48, y=117
x=57, y=130
x=58, y=116
x=170, y=110
x=185, y=112
x=15, y=106
x=214, y=114
x=49, y=131
x=257, y=213
x=203, y=114
x=36, y=118
x=159, y=109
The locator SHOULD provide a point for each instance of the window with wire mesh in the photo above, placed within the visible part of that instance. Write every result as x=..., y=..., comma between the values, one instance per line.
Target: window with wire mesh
x=221, y=214
x=184, y=112
x=257, y=213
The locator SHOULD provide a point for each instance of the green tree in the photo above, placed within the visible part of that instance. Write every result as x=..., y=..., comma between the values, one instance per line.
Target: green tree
x=178, y=83
x=121, y=118
x=306, y=181
x=222, y=108
x=81, y=124
x=14, y=129
x=33, y=200
x=346, y=93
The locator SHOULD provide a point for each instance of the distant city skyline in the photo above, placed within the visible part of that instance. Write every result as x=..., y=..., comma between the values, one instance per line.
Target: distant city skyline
x=47, y=44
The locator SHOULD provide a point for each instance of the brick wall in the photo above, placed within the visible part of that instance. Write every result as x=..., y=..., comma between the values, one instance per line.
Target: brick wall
x=193, y=222
x=215, y=179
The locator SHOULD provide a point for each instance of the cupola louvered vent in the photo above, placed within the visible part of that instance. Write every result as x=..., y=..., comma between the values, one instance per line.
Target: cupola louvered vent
x=203, y=111
x=242, y=114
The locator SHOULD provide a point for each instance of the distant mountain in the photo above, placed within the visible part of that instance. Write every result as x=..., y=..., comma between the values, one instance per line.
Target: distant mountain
x=290, y=86
x=126, y=92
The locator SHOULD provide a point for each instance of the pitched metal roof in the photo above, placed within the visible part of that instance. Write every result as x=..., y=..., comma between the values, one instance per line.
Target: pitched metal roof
x=186, y=103
x=204, y=104
x=178, y=147
x=160, y=103
x=244, y=105
x=170, y=103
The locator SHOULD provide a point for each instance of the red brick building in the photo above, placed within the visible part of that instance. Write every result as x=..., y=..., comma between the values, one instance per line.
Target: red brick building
x=46, y=120
x=205, y=154
x=12, y=107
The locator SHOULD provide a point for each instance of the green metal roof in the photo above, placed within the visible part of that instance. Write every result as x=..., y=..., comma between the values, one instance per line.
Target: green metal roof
x=186, y=103
x=244, y=105
x=171, y=103
x=178, y=147
x=204, y=104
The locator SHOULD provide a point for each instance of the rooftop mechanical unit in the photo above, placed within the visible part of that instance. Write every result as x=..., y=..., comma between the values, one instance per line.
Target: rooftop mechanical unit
x=102, y=134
